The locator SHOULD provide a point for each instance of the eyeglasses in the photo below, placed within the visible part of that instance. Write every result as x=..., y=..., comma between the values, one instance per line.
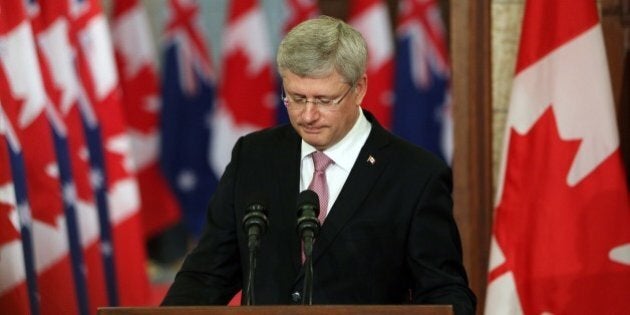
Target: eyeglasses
x=299, y=103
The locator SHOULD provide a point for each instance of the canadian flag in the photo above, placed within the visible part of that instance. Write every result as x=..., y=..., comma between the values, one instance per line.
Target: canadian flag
x=24, y=101
x=135, y=58
x=371, y=18
x=18, y=292
x=51, y=28
x=561, y=237
x=112, y=166
x=247, y=94
x=297, y=12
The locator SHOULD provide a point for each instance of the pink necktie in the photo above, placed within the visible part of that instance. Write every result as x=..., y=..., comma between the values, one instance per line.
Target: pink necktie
x=319, y=184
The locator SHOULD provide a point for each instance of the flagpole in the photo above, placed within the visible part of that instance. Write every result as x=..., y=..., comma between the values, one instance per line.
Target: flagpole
x=69, y=201
x=18, y=174
x=99, y=185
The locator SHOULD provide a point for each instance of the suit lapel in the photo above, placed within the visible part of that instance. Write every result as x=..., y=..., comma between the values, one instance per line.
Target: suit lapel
x=367, y=168
x=369, y=165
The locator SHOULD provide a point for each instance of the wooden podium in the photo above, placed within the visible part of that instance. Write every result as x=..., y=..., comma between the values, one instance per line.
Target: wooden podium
x=283, y=310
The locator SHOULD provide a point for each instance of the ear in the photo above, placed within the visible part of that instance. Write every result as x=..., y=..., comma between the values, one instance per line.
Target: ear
x=360, y=89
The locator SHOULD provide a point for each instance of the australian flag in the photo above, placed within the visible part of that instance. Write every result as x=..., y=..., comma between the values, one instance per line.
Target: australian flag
x=187, y=96
x=422, y=108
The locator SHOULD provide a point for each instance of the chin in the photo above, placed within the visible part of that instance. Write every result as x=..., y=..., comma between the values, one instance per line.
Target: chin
x=317, y=144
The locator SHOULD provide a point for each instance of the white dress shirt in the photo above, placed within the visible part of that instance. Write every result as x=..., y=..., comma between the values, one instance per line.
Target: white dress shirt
x=344, y=153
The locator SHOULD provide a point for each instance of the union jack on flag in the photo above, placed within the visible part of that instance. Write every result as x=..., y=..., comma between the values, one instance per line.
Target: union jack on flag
x=422, y=106
x=188, y=102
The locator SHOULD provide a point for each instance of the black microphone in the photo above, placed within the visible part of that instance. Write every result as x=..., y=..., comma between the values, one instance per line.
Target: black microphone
x=308, y=227
x=255, y=222
x=255, y=225
x=308, y=210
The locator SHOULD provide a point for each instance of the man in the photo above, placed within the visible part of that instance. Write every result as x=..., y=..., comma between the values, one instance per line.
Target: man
x=388, y=235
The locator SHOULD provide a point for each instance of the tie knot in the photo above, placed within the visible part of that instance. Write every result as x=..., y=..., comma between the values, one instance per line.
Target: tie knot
x=321, y=161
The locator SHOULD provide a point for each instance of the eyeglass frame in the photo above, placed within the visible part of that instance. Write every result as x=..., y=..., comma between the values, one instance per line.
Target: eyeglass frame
x=286, y=99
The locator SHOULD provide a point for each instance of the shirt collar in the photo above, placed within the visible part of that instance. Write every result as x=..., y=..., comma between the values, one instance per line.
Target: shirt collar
x=345, y=152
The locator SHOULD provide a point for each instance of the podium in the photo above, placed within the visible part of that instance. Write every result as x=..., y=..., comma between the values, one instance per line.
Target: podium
x=283, y=310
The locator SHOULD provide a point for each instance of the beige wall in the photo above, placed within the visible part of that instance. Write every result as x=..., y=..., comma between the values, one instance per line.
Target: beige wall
x=506, y=16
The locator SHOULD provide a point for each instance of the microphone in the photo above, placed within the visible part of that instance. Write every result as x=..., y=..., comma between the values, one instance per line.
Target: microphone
x=308, y=227
x=308, y=210
x=255, y=222
x=255, y=225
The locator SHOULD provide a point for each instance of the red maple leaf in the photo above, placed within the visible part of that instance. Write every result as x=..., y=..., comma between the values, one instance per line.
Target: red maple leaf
x=299, y=11
x=138, y=90
x=44, y=192
x=556, y=239
x=253, y=106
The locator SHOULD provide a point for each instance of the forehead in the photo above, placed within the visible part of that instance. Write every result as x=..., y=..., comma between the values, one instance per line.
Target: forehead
x=302, y=84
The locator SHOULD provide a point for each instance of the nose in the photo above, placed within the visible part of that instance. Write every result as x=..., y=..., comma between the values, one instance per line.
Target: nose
x=311, y=112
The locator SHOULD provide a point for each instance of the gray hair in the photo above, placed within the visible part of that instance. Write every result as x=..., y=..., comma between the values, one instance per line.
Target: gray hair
x=316, y=47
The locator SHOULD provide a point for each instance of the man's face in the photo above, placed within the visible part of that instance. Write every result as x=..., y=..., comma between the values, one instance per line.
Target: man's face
x=318, y=126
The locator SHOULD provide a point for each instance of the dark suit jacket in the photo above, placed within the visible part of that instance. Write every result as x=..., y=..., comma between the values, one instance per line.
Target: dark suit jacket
x=389, y=238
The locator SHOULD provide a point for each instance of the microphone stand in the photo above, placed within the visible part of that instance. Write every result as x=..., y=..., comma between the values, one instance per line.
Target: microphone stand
x=308, y=240
x=308, y=226
x=255, y=224
x=252, y=244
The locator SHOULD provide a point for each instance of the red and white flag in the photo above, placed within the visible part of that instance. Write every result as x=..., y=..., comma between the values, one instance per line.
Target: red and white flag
x=297, y=12
x=371, y=18
x=55, y=52
x=14, y=291
x=247, y=95
x=104, y=118
x=24, y=100
x=135, y=58
x=561, y=237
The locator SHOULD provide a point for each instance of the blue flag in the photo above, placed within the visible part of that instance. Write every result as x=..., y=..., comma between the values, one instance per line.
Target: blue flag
x=422, y=107
x=187, y=96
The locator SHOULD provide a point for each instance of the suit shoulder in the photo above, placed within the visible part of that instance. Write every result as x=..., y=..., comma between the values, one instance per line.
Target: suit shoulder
x=408, y=154
x=268, y=140
x=275, y=133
